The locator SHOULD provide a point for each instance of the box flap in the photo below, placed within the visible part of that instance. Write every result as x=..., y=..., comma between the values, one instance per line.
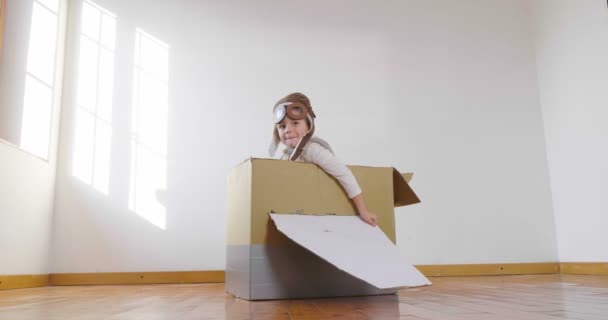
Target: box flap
x=352, y=246
x=408, y=176
x=402, y=193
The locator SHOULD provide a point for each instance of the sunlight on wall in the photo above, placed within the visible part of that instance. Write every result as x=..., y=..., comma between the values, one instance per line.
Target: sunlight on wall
x=50, y=3
x=149, y=128
x=93, y=121
x=39, y=84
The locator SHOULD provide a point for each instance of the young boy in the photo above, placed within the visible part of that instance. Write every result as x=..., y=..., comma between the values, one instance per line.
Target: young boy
x=294, y=127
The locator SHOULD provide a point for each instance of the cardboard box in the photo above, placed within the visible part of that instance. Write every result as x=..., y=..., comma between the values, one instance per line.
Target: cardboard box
x=262, y=263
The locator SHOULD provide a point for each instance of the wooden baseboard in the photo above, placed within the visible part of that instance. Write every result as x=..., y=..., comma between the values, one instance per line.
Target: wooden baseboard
x=69, y=279
x=23, y=281
x=588, y=268
x=446, y=270
x=451, y=270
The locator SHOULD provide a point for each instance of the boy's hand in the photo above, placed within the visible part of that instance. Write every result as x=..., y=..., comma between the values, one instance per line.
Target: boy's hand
x=369, y=217
x=365, y=215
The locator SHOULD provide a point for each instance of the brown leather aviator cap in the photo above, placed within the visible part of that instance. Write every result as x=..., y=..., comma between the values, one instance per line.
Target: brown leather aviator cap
x=295, y=99
x=296, y=106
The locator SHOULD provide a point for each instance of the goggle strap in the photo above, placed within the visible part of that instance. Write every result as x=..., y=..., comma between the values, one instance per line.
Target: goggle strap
x=286, y=106
x=300, y=146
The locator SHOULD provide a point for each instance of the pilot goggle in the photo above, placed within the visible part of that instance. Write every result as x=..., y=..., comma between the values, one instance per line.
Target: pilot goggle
x=293, y=110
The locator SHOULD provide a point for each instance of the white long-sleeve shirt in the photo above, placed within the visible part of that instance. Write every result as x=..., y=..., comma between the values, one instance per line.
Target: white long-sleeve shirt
x=317, y=151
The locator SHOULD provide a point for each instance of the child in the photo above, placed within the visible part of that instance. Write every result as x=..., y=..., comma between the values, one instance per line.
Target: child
x=295, y=125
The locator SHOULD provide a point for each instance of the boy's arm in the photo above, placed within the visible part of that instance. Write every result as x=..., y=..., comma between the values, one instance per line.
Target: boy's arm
x=364, y=213
x=330, y=164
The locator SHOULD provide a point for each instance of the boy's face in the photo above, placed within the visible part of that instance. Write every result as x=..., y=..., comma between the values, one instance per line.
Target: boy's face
x=290, y=131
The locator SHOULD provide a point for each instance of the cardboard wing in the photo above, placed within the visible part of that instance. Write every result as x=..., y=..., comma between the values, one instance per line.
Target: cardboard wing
x=352, y=246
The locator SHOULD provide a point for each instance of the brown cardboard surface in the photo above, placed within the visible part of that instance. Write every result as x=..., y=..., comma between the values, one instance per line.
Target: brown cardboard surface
x=283, y=186
x=238, y=217
x=408, y=176
x=403, y=194
x=259, y=186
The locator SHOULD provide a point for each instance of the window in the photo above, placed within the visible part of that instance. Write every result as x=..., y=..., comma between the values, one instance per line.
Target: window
x=93, y=120
x=149, y=127
x=39, y=80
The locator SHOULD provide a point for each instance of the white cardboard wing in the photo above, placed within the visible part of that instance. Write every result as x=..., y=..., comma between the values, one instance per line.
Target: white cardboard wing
x=352, y=246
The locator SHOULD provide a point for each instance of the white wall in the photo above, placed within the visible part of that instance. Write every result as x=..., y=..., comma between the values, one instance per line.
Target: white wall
x=445, y=89
x=13, y=67
x=26, y=181
x=472, y=132
x=571, y=50
x=26, y=205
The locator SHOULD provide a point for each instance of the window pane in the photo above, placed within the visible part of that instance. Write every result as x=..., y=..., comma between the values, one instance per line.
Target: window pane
x=36, y=123
x=42, y=43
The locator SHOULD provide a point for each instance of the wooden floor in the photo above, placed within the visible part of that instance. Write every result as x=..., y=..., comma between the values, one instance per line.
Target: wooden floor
x=461, y=298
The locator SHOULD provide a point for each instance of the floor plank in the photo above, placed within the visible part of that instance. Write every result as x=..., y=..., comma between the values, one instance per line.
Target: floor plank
x=534, y=297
